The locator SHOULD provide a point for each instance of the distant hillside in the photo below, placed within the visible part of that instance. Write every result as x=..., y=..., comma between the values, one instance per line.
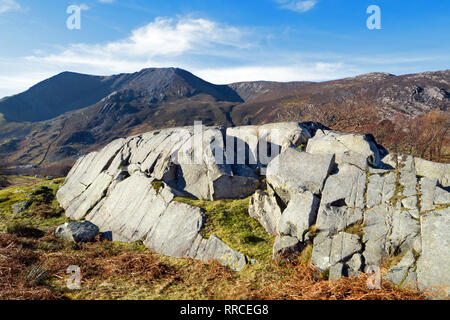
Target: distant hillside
x=71, y=114
x=69, y=91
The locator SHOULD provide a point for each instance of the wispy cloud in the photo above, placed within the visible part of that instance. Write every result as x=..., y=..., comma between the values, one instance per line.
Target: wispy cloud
x=161, y=39
x=106, y=1
x=297, y=5
x=9, y=5
x=216, y=52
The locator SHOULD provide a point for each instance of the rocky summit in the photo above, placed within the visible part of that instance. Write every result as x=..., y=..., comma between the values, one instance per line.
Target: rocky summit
x=355, y=207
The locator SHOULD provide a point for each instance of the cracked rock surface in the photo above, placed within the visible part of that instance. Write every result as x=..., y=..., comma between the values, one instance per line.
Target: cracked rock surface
x=340, y=197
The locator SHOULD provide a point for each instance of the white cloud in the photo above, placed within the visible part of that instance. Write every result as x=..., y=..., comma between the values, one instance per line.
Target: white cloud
x=298, y=5
x=218, y=53
x=304, y=72
x=8, y=5
x=159, y=40
x=106, y=1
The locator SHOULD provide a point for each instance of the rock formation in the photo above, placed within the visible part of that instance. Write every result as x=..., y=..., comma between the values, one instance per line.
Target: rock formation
x=355, y=207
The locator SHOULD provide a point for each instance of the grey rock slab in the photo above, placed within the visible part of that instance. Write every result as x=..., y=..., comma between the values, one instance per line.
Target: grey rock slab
x=441, y=196
x=336, y=271
x=343, y=247
x=331, y=142
x=214, y=248
x=299, y=215
x=265, y=210
x=81, y=205
x=85, y=171
x=427, y=190
x=380, y=189
x=399, y=272
x=433, y=170
x=132, y=209
x=433, y=266
x=233, y=187
x=83, y=231
x=176, y=230
x=294, y=171
x=377, y=227
x=355, y=265
x=329, y=251
x=335, y=219
x=410, y=202
x=285, y=246
x=349, y=184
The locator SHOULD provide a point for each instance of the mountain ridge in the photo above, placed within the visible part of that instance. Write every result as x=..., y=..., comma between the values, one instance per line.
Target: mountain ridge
x=83, y=119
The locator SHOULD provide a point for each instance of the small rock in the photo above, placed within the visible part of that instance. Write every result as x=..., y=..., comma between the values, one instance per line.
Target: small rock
x=399, y=273
x=285, y=246
x=83, y=231
x=20, y=206
x=336, y=271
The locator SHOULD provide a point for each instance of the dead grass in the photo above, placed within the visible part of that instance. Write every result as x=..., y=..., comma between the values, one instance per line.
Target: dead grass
x=305, y=283
x=129, y=271
x=18, y=273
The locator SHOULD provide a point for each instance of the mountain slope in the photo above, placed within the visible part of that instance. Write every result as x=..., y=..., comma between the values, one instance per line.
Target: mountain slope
x=70, y=91
x=83, y=113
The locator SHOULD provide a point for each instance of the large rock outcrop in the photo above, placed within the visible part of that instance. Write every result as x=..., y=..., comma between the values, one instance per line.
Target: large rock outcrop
x=362, y=211
x=354, y=207
x=128, y=188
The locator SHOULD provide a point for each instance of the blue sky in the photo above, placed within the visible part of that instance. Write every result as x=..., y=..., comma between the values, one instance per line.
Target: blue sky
x=221, y=41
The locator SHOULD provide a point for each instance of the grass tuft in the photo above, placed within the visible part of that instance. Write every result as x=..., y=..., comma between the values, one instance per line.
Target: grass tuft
x=229, y=220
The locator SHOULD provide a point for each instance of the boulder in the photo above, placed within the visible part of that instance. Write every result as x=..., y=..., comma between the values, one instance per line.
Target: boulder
x=299, y=215
x=294, y=171
x=83, y=231
x=348, y=148
x=265, y=209
x=348, y=187
x=285, y=246
x=433, y=170
x=329, y=251
x=214, y=248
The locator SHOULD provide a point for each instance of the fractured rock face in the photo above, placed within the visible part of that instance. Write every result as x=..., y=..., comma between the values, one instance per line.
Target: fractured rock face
x=128, y=188
x=354, y=210
x=404, y=274
x=433, y=266
x=294, y=172
x=285, y=246
x=329, y=251
x=348, y=148
x=299, y=215
x=265, y=209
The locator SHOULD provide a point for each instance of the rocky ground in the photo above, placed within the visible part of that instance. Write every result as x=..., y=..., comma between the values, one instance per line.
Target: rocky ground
x=33, y=262
x=339, y=199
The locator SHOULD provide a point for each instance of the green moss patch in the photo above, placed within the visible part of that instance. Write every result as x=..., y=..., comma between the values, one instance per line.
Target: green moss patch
x=43, y=211
x=229, y=220
x=157, y=185
x=356, y=229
